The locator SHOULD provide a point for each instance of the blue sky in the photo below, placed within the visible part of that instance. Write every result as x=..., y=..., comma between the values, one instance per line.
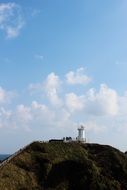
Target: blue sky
x=62, y=63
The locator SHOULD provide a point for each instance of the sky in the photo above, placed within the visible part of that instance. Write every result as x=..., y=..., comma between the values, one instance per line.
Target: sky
x=63, y=63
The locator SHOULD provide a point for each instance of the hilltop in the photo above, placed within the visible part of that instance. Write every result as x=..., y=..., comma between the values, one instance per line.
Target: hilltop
x=65, y=166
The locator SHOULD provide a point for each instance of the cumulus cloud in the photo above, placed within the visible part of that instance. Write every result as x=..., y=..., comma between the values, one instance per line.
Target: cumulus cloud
x=5, y=116
x=61, y=109
x=35, y=88
x=74, y=102
x=33, y=116
x=23, y=114
x=55, y=110
x=78, y=77
x=42, y=113
x=103, y=102
x=5, y=96
x=70, y=107
x=93, y=125
x=123, y=104
x=52, y=86
x=11, y=19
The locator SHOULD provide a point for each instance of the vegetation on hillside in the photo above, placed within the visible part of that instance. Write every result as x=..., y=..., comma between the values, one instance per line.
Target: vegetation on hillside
x=65, y=166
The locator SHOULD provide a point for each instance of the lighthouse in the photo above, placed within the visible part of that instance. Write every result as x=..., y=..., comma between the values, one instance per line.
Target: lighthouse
x=81, y=134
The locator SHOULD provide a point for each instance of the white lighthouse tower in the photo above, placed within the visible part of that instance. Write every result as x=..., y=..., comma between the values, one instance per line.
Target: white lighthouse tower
x=81, y=134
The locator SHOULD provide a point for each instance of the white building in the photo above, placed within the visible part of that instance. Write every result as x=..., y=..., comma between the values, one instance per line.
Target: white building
x=81, y=134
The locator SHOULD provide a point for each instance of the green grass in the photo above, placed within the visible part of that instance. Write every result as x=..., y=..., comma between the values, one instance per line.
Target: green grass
x=65, y=166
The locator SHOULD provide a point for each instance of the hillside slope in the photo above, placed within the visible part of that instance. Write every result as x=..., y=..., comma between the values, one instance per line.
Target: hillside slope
x=65, y=166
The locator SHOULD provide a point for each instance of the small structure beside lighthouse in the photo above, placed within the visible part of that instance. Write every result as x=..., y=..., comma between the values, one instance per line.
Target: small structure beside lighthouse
x=81, y=134
x=81, y=138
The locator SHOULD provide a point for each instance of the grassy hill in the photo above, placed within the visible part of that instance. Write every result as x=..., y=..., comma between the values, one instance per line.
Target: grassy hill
x=65, y=166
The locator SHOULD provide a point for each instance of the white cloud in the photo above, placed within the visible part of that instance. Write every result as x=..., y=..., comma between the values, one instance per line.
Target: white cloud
x=23, y=114
x=55, y=111
x=52, y=86
x=34, y=116
x=42, y=113
x=35, y=88
x=59, y=108
x=123, y=104
x=5, y=116
x=49, y=88
x=11, y=19
x=5, y=96
x=104, y=102
x=49, y=117
x=78, y=77
x=74, y=102
x=93, y=125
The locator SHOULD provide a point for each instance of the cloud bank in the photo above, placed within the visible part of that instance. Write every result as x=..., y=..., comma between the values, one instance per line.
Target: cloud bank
x=53, y=107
